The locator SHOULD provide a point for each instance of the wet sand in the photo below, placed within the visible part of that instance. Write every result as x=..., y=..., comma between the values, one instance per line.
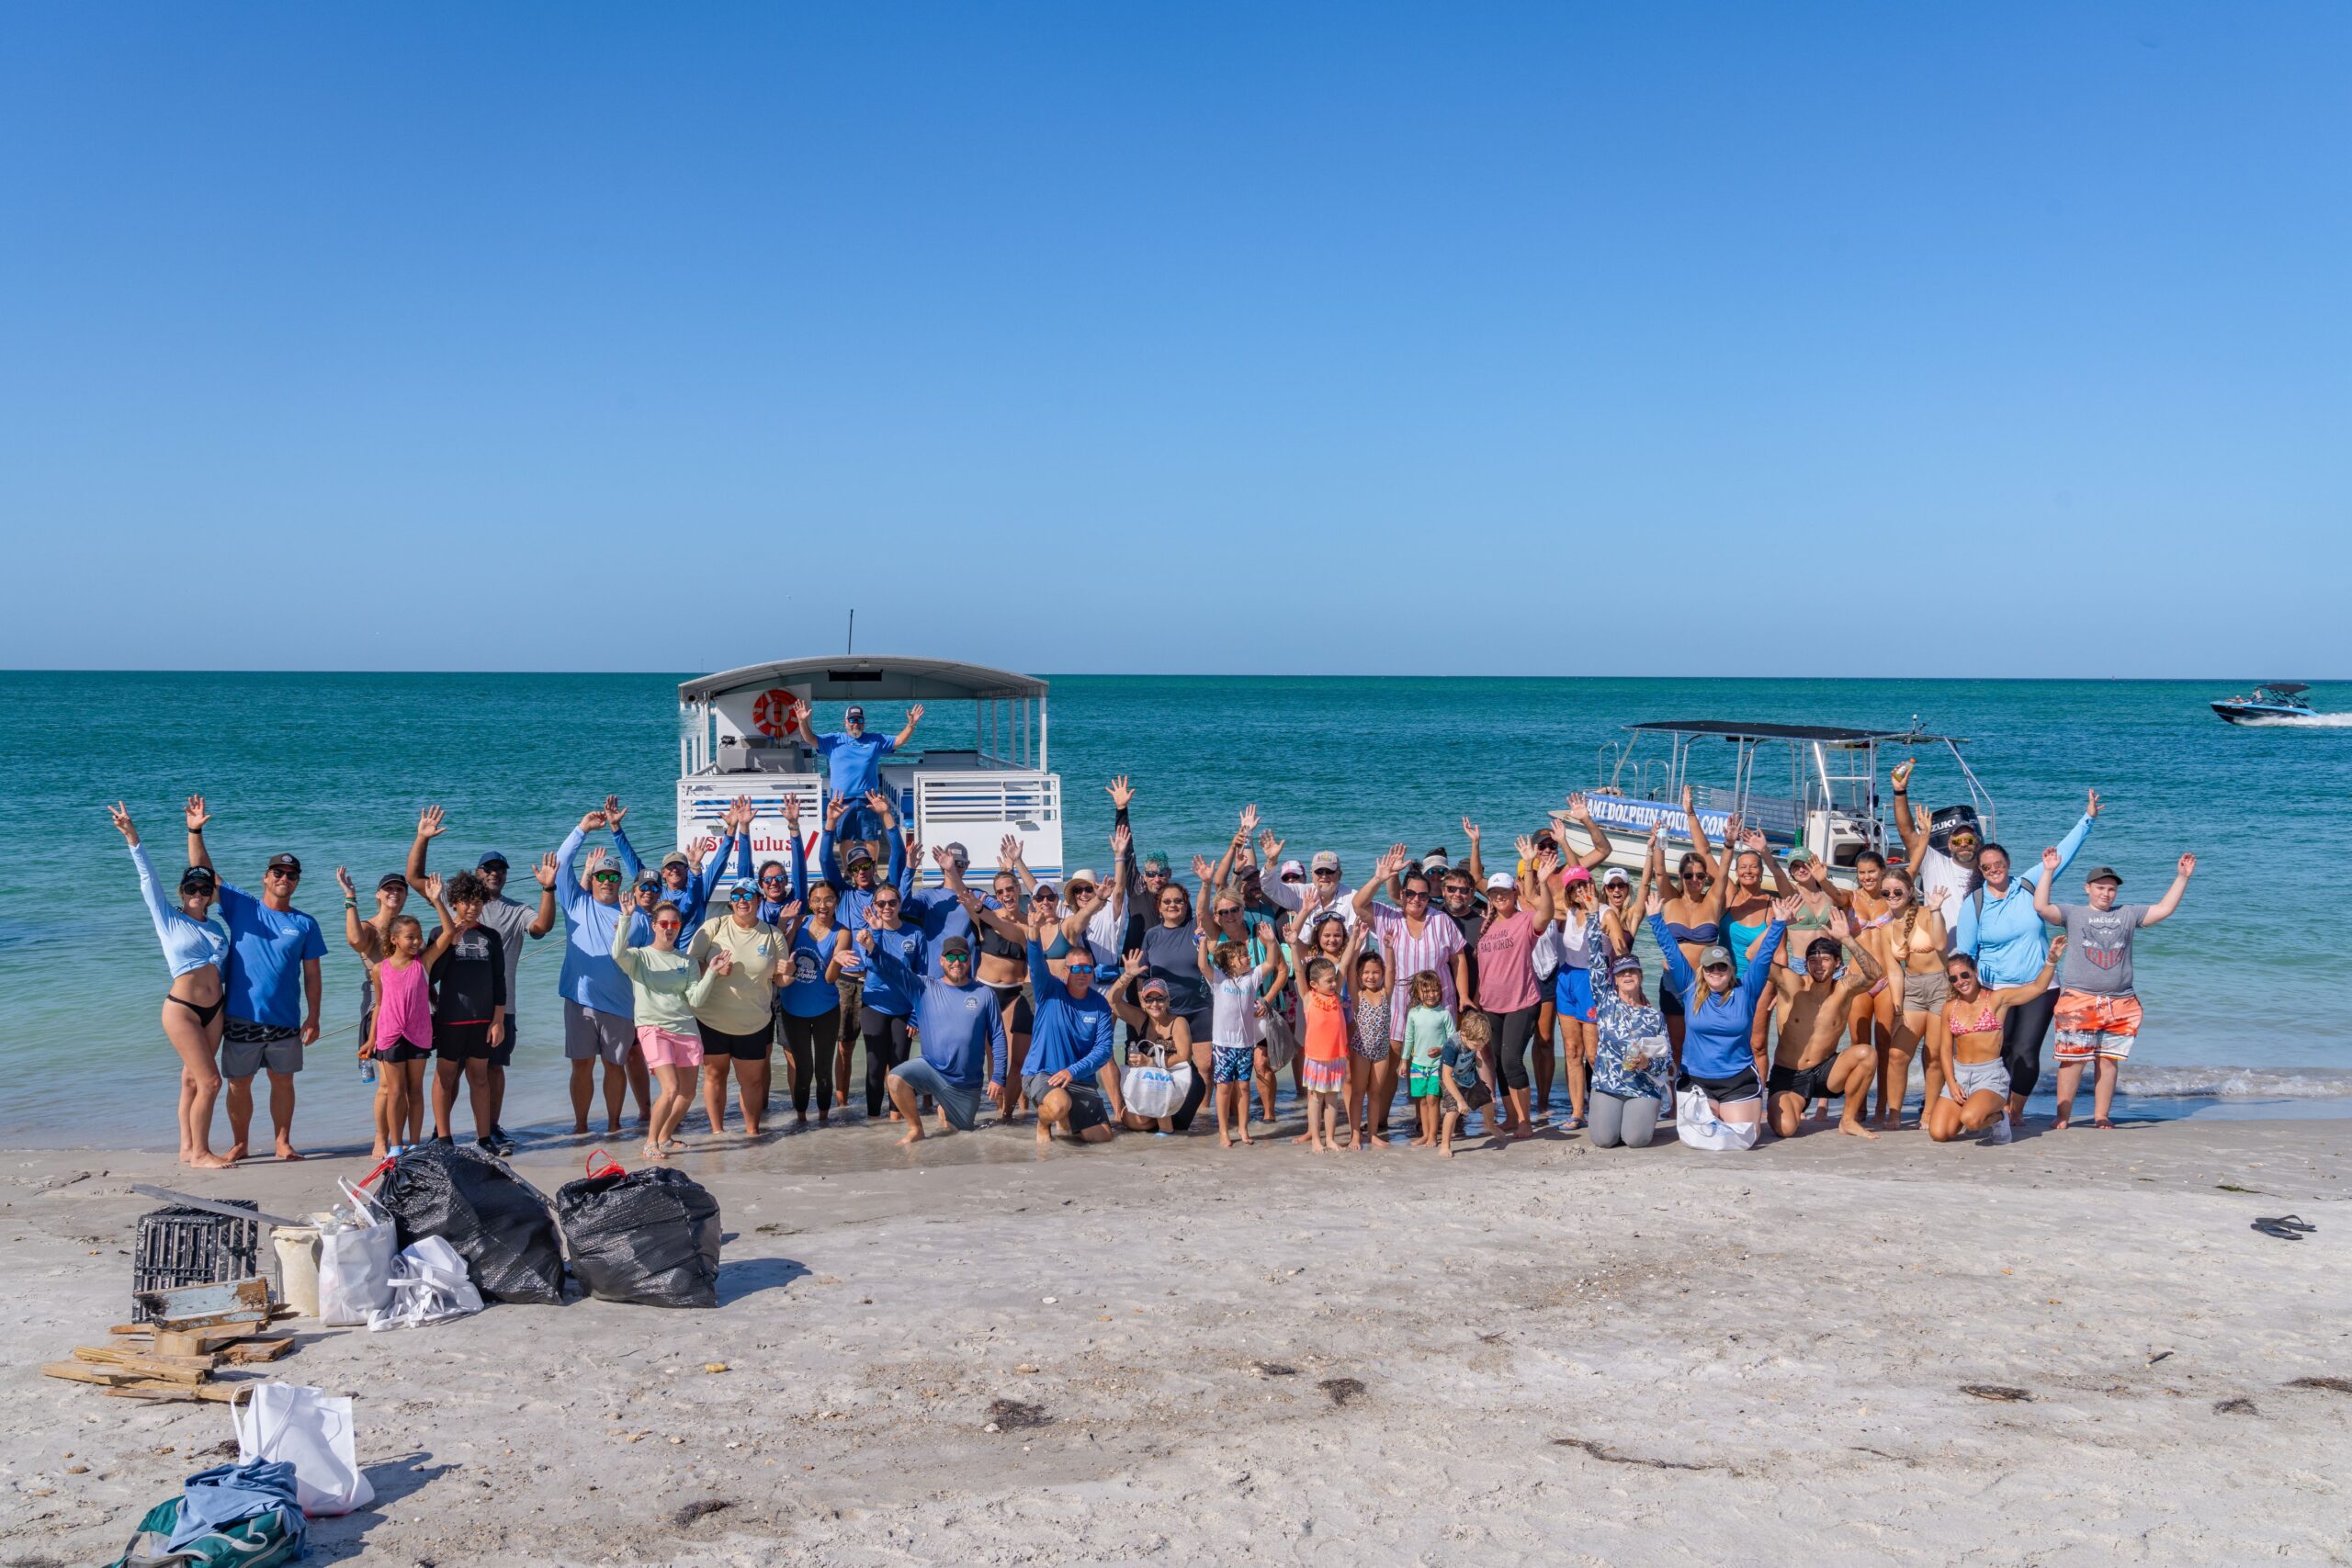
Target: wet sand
x=1547, y=1353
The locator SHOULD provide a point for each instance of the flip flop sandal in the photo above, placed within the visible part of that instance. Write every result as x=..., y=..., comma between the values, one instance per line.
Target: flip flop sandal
x=2293, y=1223
x=2272, y=1227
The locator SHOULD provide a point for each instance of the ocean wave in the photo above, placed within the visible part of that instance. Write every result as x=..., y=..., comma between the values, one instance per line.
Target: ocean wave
x=2150, y=1082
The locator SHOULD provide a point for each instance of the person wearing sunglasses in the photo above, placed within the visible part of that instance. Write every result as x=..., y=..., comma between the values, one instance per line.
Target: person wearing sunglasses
x=963, y=1033
x=273, y=988
x=1719, y=1006
x=195, y=950
x=599, y=1010
x=664, y=992
x=775, y=893
x=2000, y=929
x=690, y=886
x=886, y=994
x=1944, y=875
x=854, y=771
x=739, y=956
x=1070, y=1048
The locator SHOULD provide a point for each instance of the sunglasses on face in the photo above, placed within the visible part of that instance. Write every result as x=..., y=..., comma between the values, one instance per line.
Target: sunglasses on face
x=666, y=925
x=1718, y=969
x=886, y=905
x=1041, y=896
x=1228, y=913
x=1321, y=875
x=947, y=958
x=296, y=876
x=1081, y=968
x=612, y=877
x=1417, y=896
x=1963, y=841
x=772, y=880
x=743, y=897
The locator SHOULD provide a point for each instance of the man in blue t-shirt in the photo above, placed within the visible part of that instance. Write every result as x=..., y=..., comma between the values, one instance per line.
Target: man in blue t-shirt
x=853, y=767
x=271, y=990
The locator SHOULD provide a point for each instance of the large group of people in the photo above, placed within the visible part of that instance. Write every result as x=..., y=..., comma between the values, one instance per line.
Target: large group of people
x=1128, y=1002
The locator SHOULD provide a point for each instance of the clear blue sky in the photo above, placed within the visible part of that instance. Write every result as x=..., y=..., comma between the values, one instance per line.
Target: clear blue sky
x=1871, y=339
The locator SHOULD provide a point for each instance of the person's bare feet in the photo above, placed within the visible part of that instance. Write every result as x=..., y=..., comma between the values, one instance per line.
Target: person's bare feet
x=655, y=1150
x=1225, y=1140
x=207, y=1160
x=1303, y=1138
x=2103, y=1121
x=285, y=1150
x=1855, y=1129
x=1244, y=1138
x=1446, y=1148
x=2061, y=1124
x=914, y=1133
x=236, y=1152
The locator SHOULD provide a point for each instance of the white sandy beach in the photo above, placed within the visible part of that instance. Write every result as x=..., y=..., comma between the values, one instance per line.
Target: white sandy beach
x=1551, y=1354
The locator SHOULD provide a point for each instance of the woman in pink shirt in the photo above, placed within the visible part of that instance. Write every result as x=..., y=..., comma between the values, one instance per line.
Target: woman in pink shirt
x=1507, y=987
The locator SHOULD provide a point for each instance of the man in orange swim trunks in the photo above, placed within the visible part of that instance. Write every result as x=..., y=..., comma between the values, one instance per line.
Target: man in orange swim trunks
x=2099, y=1011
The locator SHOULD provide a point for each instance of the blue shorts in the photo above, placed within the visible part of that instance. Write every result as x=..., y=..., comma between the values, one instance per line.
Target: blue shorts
x=860, y=821
x=1231, y=1063
x=961, y=1104
x=1572, y=993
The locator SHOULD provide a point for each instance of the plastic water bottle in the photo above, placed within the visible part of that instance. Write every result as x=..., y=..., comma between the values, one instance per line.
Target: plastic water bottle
x=367, y=1069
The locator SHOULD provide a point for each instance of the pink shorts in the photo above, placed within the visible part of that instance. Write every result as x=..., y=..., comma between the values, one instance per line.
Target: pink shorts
x=666, y=1048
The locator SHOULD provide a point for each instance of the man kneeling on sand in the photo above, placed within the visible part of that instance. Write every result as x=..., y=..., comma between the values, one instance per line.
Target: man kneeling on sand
x=963, y=1036
x=1070, y=1044
x=1810, y=1007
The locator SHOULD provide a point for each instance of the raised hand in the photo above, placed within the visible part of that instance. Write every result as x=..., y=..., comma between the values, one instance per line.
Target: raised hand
x=343, y=880
x=792, y=814
x=614, y=812
x=431, y=887
x=2188, y=865
x=865, y=937
x=1547, y=861
x=879, y=803
x=722, y=961
x=591, y=821
x=1785, y=909
x=1270, y=848
x=1134, y=960
x=1653, y=903
x=1690, y=804
x=788, y=912
x=1202, y=868
x=1266, y=933
x=1840, y=926
x=834, y=811
x=1392, y=861
x=428, y=822
x=1754, y=841
x=1120, y=838
x=943, y=857
x=1525, y=846
x=1249, y=819
x=544, y=873
x=1901, y=777
x=1919, y=820
x=2048, y=865
x=1732, y=827
x=915, y=713
x=596, y=857
x=2092, y=808
x=1121, y=792
x=196, y=813
x=2057, y=948
x=122, y=823
x=1579, y=809
x=1470, y=829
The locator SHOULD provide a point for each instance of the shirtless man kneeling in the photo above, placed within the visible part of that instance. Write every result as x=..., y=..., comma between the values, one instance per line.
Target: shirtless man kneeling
x=1811, y=1008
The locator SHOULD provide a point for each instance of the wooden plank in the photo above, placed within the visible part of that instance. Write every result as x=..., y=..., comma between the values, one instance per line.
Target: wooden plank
x=211, y=1393
x=248, y=1352
x=176, y=1368
x=208, y=1306
x=83, y=1371
x=206, y=1206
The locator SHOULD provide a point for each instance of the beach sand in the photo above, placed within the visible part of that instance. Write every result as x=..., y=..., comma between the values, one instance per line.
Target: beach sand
x=1552, y=1353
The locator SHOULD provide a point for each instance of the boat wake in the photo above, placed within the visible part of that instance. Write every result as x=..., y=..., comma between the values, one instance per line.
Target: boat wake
x=2311, y=721
x=2151, y=1082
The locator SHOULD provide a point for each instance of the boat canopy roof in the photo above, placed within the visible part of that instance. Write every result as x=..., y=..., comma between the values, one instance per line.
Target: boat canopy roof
x=854, y=677
x=2284, y=688
x=1733, y=730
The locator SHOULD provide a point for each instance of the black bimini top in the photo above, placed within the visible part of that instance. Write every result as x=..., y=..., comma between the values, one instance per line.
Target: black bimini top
x=1733, y=730
x=2284, y=688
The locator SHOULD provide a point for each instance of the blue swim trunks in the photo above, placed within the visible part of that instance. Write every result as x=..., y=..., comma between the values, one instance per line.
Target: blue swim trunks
x=1231, y=1063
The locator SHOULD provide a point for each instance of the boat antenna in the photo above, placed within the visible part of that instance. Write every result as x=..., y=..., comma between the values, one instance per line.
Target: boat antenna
x=851, y=646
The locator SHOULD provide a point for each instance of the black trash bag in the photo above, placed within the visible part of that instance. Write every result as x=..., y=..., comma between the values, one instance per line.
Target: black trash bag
x=498, y=1222
x=649, y=1237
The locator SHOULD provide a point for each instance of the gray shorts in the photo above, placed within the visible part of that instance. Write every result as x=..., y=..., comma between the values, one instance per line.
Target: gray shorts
x=1087, y=1106
x=247, y=1047
x=590, y=1035
x=961, y=1105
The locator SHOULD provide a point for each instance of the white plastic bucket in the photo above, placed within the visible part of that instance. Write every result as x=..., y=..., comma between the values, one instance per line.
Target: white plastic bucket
x=297, y=1267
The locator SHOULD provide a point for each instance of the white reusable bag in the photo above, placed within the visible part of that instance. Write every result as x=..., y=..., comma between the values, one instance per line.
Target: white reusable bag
x=310, y=1430
x=356, y=1264
x=1700, y=1128
x=429, y=1283
x=1151, y=1091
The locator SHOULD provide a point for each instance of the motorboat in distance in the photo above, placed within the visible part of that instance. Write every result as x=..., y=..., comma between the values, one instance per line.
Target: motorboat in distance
x=2271, y=700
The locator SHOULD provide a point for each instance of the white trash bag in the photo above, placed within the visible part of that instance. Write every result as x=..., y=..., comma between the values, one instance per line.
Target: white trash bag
x=356, y=1263
x=1700, y=1127
x=310, y=1430
x=429, y=1285
x=1152, y=1092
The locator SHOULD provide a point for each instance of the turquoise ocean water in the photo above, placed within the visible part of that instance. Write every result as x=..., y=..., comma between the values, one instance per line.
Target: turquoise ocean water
x=2246, y=1013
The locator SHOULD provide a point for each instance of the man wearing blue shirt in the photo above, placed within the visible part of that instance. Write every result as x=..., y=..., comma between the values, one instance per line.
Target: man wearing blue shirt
x=853, y=767
x=271, y=989
x=1069, y=1043
x=962, y=1030
x=599, y=1010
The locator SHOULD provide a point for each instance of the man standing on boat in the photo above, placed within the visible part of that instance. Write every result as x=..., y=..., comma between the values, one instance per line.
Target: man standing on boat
x=273, y=1016
x=853, y=767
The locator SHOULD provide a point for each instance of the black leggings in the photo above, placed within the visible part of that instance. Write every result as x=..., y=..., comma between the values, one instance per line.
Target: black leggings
x=1198, y=1094
x=885, y=1047
x=1514, y=1031
x=2022, y=1033
x=808, y=1043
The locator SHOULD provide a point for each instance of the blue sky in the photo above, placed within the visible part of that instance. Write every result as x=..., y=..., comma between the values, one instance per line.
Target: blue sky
x=1900, y=340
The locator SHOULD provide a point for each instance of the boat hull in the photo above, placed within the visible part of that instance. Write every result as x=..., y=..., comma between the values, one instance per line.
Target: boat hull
x=2240, y=712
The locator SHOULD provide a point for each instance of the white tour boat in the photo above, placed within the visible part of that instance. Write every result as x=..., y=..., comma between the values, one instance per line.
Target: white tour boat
x=974, y=772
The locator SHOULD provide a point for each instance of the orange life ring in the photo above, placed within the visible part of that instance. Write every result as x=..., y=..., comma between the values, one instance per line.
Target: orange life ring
x=775, y=713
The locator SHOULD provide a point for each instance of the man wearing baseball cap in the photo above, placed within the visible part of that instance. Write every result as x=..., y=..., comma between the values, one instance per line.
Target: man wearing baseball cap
x=690, y=889
x=1323, y=898
x=514, y=923
x=962, y=1034
x=853, y=766
x=273, y=948
x=2099, y=1010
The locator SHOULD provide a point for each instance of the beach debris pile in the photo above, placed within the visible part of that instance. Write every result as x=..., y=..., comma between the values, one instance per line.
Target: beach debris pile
x=190, y=1335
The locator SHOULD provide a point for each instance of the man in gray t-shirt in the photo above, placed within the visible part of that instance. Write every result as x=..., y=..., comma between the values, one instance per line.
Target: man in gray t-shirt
x=2099, y=1013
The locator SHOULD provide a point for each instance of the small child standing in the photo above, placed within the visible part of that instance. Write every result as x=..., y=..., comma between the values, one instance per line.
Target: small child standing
x=1464, y=1067
x=1368, y=1063
x=1323, y=1021
x=1237, y=1039
x=402, y=1041
x=1427, y=1026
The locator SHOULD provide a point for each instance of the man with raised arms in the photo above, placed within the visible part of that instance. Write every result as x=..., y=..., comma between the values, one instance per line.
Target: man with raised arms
x=853, y=767
x=1810, y=1006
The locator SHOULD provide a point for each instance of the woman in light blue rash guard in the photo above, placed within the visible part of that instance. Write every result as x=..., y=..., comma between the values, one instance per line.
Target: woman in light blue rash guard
x=195, y=950
x=1719, y=1013
x=1996, y=927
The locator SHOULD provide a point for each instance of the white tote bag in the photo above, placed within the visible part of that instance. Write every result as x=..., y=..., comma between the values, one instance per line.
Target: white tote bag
x=356, y=1264
x=310, y=1430
x=1151, y=1091
x=429, y=1284
x=1700, y=1128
